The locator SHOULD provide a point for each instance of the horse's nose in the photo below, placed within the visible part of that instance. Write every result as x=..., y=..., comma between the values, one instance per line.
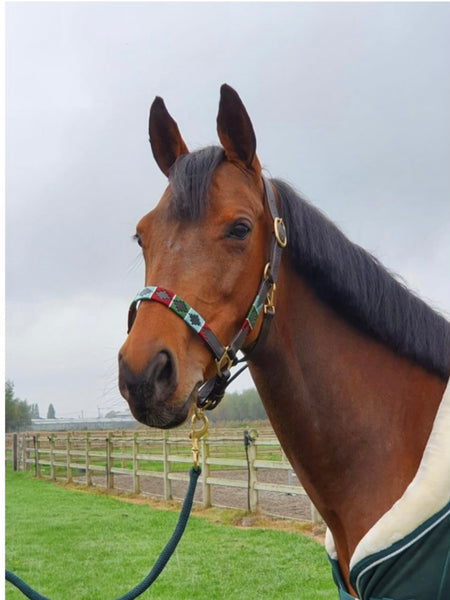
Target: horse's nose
x=151, y=386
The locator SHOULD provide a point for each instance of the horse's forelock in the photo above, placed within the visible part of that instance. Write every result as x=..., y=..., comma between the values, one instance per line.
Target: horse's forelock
x=190, y=178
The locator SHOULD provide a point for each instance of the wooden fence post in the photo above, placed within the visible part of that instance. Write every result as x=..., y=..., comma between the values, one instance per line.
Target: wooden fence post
x=109, y=461
x=25, y=453
x=252, y=478
x=206, y=488
x=20, y=454
x=68, y=457
x=37, y=466
x=88, y=474
x=136, y=486
x=51, y=439
x=123, y=460
x=14, y=452
x=166, y=466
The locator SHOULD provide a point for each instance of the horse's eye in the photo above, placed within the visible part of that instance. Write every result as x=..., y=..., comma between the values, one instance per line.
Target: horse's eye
x=238, y=231
x=137, y=238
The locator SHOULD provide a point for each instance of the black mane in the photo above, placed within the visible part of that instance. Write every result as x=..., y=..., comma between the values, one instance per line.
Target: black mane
x=359, y=288
x=342, y=274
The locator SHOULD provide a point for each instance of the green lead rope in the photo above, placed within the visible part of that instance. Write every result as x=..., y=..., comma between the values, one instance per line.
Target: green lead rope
x=160, y=563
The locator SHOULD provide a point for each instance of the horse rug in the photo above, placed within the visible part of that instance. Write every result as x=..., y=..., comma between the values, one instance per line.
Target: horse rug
x=406, y=554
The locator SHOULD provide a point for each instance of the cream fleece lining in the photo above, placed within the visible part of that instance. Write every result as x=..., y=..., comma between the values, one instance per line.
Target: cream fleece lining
x=427, y=493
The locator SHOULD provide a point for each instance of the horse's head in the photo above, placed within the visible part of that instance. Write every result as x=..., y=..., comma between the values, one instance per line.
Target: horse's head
x=207, y=242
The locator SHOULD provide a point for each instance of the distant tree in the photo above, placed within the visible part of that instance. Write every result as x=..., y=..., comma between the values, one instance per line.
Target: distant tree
x=240, y=406
x=17, y=412
x=35, y=411
x=51, y=412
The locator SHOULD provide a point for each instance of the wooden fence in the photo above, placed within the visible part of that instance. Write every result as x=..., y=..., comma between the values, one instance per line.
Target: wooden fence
x=136, y=461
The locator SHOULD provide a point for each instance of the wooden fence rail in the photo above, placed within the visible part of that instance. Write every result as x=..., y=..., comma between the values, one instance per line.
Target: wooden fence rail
x=100, y=458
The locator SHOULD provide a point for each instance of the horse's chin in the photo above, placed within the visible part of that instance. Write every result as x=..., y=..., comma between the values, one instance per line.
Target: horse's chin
x=165, y=415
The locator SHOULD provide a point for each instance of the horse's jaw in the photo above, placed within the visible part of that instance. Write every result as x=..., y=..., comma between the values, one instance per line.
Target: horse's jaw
x=160, y=414
x=164, y=416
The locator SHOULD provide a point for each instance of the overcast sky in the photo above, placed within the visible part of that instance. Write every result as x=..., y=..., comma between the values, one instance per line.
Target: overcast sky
x=350, y=104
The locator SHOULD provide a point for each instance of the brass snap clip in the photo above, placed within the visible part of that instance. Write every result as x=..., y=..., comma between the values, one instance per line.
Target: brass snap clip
x=197, y=433
x=269, y=306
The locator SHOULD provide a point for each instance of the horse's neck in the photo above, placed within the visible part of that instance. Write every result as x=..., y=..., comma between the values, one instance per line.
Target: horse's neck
x=352, y=416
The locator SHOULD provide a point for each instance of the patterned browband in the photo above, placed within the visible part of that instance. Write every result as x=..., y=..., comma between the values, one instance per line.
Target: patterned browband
x=225, y=358
x=193, y=319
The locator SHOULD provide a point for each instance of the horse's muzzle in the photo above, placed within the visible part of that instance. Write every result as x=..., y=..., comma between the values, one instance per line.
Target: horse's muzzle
x=148, y=392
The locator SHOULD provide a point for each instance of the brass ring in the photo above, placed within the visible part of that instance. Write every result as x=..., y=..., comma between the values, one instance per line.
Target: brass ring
x=280, y=232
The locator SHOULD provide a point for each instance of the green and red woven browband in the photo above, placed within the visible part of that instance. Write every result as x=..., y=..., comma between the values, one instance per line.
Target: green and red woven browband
x=193, y=319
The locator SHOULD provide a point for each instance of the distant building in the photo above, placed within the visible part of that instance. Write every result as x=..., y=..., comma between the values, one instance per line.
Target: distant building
x=119, y=421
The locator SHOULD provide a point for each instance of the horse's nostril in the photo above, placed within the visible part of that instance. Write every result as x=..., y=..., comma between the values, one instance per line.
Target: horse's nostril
x=161, y=371
x=156, y=382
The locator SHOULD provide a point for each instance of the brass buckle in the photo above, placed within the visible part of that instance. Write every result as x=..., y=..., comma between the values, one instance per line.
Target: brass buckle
x=280, y=232
x=224, y=363
x=269, y=306
x=196, y=434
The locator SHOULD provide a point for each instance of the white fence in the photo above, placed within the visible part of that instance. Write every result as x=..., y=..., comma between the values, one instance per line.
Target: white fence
x=254, y=475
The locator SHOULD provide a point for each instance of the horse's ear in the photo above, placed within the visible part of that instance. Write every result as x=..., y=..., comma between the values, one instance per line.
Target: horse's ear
x=236, y=130
x=165, y=139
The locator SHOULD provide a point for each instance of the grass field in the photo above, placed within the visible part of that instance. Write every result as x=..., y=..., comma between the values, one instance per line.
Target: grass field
x=85, y=546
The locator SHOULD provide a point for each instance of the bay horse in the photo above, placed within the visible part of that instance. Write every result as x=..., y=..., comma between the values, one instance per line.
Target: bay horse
x=350, y=365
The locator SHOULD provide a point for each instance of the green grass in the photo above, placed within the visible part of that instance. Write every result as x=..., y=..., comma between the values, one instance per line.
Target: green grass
x=83, y=546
